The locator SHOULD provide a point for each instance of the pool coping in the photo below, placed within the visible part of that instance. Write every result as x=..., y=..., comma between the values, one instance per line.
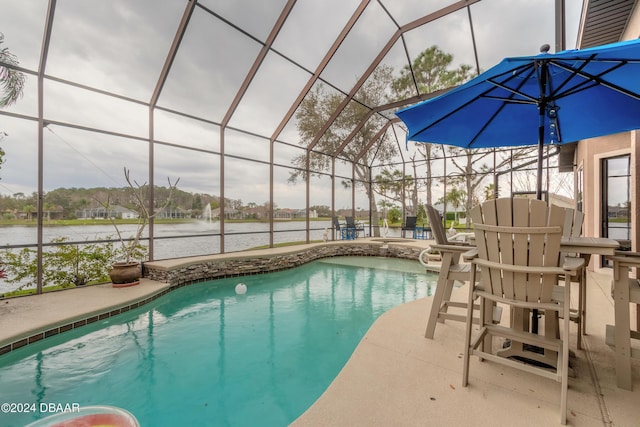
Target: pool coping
x=29, y=319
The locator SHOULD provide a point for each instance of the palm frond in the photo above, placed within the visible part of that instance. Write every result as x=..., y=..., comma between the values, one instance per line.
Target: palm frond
x=11, y=79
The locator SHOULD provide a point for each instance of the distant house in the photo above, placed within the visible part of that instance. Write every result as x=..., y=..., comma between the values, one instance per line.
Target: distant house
x=103, y=213
x=215, y=213
x=232, y=214
x=283, y=214
x=287, y=213
x=48, y=215
x=171, y=213
x=125, y=213
x=257, y=212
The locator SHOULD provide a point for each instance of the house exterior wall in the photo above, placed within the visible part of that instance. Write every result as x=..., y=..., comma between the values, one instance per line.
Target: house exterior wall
x=633, y=25
x=588, y=156
x=632, y=32
x=589, y=153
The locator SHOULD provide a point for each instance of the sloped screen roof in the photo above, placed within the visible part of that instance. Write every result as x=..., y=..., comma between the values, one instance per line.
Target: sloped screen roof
x=232, y=95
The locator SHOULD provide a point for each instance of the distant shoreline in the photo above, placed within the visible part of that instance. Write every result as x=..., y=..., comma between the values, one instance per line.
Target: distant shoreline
x=72, y=222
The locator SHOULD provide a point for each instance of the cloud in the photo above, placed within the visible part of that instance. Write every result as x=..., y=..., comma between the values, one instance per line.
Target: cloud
x=118, y=46
x=22, y=24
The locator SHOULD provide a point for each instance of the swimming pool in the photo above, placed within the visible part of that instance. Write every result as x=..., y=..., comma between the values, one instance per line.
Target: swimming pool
x=204, y=356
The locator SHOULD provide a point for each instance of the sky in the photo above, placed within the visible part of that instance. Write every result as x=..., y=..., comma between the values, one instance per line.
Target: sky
x=120, y=46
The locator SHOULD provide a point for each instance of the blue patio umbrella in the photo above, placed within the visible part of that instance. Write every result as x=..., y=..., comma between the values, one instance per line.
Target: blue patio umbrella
x=536, y=100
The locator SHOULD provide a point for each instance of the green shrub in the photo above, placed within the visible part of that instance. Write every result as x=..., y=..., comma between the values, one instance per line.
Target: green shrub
x=394, y=215
x=64, y=265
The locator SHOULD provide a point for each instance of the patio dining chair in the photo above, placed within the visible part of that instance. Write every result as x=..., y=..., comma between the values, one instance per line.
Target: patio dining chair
x=409, y=225
x=353, y=227
x=449, y=271
x=342, y=230
x=518, y=255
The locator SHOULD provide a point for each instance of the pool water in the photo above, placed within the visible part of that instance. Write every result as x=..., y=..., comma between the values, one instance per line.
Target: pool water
x=204, y=356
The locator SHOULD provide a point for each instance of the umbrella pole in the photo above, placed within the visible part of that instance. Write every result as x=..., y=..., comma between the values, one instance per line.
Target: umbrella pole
x=540, y=154
x=534, y=320
x=543, y=80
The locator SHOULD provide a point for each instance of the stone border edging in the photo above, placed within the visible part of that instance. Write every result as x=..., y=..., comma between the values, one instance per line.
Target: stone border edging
x=197, y=269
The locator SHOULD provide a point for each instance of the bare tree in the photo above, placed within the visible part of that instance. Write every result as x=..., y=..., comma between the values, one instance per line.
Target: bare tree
x=475, y=165
x=316, y=109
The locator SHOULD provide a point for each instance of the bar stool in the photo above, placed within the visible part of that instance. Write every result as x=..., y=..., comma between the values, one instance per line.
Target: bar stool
x=625, y=291
x=449, y=271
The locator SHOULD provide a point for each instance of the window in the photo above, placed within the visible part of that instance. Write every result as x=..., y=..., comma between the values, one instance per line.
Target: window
x=616, y=200
x=579, y=189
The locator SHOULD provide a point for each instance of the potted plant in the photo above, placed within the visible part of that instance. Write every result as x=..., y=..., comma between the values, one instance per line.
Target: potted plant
x=127, y=271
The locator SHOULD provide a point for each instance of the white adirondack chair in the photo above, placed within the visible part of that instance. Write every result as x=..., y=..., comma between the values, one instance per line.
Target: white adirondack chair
x=518, y=245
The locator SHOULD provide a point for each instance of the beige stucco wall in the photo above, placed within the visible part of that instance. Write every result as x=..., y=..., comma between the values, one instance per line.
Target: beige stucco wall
x=633, y=27
x=589, y=154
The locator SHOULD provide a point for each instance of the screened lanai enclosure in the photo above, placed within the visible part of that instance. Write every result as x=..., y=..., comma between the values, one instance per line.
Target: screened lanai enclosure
x=275, y=116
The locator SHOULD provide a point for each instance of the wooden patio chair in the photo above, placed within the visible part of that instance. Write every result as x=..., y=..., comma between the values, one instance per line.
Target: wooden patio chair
x=572, y=227
x=518, y=255
x=449, y=271
x=625, y=291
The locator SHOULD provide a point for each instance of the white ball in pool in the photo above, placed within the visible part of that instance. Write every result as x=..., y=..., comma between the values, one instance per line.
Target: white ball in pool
x=241, y=289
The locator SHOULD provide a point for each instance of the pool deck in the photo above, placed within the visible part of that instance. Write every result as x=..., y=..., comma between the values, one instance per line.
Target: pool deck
x=396, y=376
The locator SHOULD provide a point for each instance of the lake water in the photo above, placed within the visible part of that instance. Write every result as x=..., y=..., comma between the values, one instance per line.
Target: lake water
x=178, y=240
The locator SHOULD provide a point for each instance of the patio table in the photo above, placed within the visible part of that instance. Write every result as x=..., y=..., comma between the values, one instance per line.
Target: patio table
x=423, y=232
x=585, y=247
x=588, y=246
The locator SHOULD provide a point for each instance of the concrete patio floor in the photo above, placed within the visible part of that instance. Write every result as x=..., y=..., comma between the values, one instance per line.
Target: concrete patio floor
x=396, y=376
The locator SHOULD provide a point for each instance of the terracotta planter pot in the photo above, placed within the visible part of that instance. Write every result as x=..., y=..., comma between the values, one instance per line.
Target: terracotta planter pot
x=124, y=274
